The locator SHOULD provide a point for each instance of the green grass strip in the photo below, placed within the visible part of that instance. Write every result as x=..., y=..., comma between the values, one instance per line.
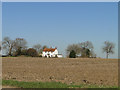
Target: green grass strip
x=22, y=84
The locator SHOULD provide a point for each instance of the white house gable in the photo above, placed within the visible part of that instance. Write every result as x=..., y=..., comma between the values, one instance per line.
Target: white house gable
x=50, y=52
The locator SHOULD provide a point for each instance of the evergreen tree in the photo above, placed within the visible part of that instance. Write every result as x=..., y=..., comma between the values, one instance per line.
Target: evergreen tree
x=72, y=54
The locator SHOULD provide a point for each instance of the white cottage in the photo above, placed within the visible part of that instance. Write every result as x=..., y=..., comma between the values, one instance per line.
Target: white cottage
x=50, y=52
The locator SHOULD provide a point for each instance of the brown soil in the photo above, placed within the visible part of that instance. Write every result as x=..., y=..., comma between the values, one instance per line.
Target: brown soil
x=71, y=71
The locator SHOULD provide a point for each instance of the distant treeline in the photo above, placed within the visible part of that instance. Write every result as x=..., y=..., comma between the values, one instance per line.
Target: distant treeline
x=19, y=47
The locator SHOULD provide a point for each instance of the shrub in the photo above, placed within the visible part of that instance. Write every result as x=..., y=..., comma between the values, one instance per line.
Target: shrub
x=24, y=52
x=17, y=52
x=72, y=54
x=20, y=52
x=32, y=52
x=87, y=52
x=40, y=55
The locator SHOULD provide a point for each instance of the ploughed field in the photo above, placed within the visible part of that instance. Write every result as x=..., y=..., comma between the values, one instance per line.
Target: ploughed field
x=71, y=71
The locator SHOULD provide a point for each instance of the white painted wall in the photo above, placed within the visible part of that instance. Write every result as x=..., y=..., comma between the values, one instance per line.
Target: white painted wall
x=59, y=56
x=51, y=54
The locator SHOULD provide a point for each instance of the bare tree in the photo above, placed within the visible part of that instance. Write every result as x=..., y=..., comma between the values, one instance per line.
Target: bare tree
x=108, y=48
x=86, y=48
x=37, y=47
x=74, y=47
x=8, y=44
x=92, y=54
x=44, y=47
x=20, y=43
x=86, y=44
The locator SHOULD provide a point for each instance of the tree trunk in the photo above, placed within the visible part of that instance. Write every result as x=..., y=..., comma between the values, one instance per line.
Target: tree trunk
x=107, y=55
x=10, y=51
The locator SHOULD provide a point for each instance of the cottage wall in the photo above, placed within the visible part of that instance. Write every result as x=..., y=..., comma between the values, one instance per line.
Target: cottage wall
x=50, y=54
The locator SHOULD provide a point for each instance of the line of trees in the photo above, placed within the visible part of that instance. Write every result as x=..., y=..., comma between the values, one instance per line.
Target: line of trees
x=85, y=49
x=19, y=47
